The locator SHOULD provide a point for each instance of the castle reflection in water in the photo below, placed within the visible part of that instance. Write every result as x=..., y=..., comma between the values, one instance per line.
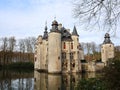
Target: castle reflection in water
x=44, y=81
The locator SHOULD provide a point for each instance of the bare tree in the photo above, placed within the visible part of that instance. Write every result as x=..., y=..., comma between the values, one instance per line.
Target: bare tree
x=30, y=44
x=82, y=45
x=4, y=48
x=33, y=41
x=21, y=45
x=12, y=43
x=4, y=45
x=26, y=48
x=88, y=47
x=93, y=47
x=101, y=13
x=11, y=47
x=29, y=48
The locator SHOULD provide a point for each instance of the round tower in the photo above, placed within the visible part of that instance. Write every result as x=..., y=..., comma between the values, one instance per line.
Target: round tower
x=75, y=38
x=54, y=49
x=44, y=51
x=107, y=49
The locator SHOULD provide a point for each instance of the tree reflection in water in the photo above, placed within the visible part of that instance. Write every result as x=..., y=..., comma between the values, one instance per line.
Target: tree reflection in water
x=44, y=81
x=12, y=80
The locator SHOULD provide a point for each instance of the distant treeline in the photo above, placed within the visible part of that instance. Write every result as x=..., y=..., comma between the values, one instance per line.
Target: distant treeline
x=12, y=50
x=22, y=50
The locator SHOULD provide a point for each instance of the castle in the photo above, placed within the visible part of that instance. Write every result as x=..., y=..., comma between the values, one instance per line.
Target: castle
x=59, y=51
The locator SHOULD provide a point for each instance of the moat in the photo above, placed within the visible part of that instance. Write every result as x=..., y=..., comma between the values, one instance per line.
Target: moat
x=34, y=80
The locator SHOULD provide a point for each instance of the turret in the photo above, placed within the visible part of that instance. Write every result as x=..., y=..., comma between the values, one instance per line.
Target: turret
x=54, y=49
x=54, y=26
x=107, y=39
x=45, y=36
x=107, y=49
x=75, y=38
x=44, y=50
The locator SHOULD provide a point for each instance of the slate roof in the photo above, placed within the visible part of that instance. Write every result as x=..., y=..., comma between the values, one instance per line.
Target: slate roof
x=45, y=36
x=54, y=27
x=75, y=31
x=65, y=34
x=107, y=39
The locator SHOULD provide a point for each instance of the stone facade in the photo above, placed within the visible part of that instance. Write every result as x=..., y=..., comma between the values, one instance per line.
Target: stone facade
x=107, y=49
x=58, y=51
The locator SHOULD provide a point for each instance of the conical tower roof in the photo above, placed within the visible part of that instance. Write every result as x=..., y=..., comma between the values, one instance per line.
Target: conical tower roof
x=75, y=31
x=45, y=36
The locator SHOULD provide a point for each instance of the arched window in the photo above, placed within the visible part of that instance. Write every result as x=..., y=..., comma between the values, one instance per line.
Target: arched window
x=64, y=45
x=71, y=45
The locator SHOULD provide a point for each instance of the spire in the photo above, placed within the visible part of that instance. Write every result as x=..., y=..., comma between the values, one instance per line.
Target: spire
x=46, y=26
x=75, y=31
x=107, y=39
x=45, y=36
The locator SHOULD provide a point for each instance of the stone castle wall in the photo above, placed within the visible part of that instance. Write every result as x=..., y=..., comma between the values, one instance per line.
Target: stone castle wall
x=54, y=52
x=107, y=52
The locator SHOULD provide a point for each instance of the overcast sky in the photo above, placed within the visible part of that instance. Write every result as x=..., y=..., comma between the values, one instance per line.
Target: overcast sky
x=26, y=18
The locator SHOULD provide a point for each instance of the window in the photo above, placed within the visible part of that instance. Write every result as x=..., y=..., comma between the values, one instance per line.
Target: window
x=73, y=65
x=64, y=45
x=58, y=57
x=71, y=55
x=71, y=45
x=35, y=79
x=35, y=59
x=40, y=42
x=77, y=39
x=63, y=55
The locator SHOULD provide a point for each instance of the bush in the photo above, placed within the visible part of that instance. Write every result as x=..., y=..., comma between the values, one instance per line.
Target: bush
x=109, y=81
x=91, y=84
x=21, y=65
x=0, y=66
x=112, y=75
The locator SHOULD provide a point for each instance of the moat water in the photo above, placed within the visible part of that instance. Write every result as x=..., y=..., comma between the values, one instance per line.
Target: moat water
x=34, y=80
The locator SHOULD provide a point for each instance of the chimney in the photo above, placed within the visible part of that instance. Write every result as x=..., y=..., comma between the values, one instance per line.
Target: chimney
x=59, y=26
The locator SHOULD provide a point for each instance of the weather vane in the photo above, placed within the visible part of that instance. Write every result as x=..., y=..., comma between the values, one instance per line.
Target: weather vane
x=55, y=17
x=46, y=23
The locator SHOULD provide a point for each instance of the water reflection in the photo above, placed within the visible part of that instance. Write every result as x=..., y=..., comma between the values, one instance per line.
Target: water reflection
x=10, y=80
x=44, y=81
